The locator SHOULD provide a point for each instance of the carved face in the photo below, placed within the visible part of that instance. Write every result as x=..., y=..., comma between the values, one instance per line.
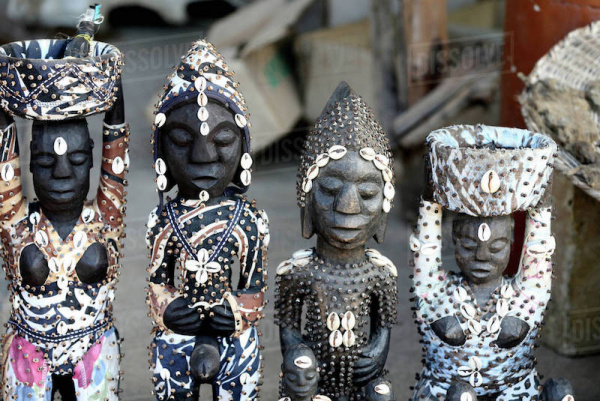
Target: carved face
x=198, y=162
x=61, y=159
x=482, y=246
x=346, y=201
x=300, y=383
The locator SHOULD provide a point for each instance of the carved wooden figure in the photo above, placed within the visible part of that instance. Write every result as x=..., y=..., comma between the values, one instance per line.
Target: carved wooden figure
x=205, y=326
x=478, y=326
x=345, y=192
x=61, y=252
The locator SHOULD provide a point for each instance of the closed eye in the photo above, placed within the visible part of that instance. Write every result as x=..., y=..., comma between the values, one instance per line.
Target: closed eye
x=78, y=158
x=224, y=138
x=498, y=245
x=45, y=160
x=330, y=185
x=368, y=190
x=180, y=137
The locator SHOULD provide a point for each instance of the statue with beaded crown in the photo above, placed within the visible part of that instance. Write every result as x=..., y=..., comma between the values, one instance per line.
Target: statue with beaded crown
x=345, y=193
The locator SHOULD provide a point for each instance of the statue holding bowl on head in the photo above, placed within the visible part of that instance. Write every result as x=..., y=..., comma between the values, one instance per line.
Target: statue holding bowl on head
x=209, y=234
x=61, y=252
x=345, y=193
x=478, y=326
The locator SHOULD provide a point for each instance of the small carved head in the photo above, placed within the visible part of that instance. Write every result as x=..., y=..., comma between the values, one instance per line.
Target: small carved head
x=300, y=373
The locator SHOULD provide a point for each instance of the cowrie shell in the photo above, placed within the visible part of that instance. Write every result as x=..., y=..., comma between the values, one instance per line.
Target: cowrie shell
x=283, y=268
x=348, y=321
x=464, y=371
x=387, y=174
x=127, y=160
x=302, y=253
x=202, y=255
x=386, y=206
x=388, y=191
x=539, y=249
x=202, y=99
x=349, y=339
x=261, y=225
x=502, y=307
x=429, y=249
x=213, y=267
x=200, y=84
x=160, y=119
x=466, y=397
x=60, y=146
x=322, y=160
x=460, y=294
x=474, y=326
x=493, y=325
x=41, y=238
x=507, y=291
x=415, y=243
x=246, y=177
x=161, y=182
x=68, y=264
x=476, y=380
x=204, y=129
x=333, y=321
x=63, y=283
x=307, y=185
x=475, y=363
x=244, y=378
x=568, y=397
x=80, y=239
x=240, y=120
x=367, y=153
x=382, y=389
x=160, y=166
x=54, y=265
x=286, y=399
x=203, y=196
x=303, y=362
x=152, y=220
x=246, y=161
x=203, y=277
x=320, y=397
x=61, y=328
x=490, y=182
x=267, y=240
x=118, y=166
x=336, y=152
x=467, y=310
x=300, y=262
x=381, y=162
x=8, y=172
x=34, y=218
x=165, y=374
x=203, y=114
x=312, y=172
x=335, y=339
x=484, y=232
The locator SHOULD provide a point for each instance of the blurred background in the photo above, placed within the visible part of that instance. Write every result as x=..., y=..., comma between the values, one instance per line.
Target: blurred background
x=420, y=64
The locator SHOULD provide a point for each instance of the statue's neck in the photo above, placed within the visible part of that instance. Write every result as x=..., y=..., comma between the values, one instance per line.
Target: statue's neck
x=338, y=256
x=63, y=221
x=483, y=291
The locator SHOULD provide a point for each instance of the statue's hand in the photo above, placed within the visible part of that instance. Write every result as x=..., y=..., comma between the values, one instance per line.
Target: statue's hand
x=221, y=321
x=369, y=365
x=182, y=319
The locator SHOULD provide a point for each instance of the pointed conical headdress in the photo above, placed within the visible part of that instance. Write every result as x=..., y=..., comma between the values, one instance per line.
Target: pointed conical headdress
x=345, y=124
x=202, y=74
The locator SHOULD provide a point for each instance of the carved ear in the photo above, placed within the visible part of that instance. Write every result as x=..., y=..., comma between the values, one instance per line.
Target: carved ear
x=307, y=225
x=380, y=232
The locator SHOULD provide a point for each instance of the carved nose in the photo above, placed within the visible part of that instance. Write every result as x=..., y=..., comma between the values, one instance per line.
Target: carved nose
x=483, y=252
x=348, y=201
x=301, y=380
x=204, y=152
x=62, y=169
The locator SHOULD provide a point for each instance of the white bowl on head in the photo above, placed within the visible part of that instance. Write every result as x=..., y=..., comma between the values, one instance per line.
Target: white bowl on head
x=489, y=171
x=37, y=83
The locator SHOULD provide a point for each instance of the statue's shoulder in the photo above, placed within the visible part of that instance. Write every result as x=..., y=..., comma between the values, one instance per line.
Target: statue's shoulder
x=295, y=265
x=157, y=220
x=380, y=261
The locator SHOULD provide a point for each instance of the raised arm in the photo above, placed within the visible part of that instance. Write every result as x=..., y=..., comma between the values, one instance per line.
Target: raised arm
x=12, y=203
x=289, y=300
x=115, y=162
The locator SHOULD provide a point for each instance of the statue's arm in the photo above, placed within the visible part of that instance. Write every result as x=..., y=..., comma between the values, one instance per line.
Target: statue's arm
x=12, y=203
x=288, y=311
x=115, y=143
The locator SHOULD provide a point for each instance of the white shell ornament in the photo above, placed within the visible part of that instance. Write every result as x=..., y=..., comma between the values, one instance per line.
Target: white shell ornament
x=388, y=191
x=80, y=239
x=415, y=243
x=34, y=218
x=54, y=265
x=161, y=182
x=490, y=182
x=367, y=154
x=60, y=146
x=244, y=378
x=307, y=185
x=460, y=294
x=160, y=166
x=8, y=172
x=349, y=339
x=160, y=119
x=303, y=362
x=320, y=397
x=302, y=253
x=118, y=165
x=200, y=84
x=466, y=397
x=336, y=152
x=493, y=325
x=246, y=161
x=333, y=321
x=204, y=129
x=476, y=380
x=312, y=172
x=386, y=206
x=204, y=196
x=240, y=120
x=484, y=232
x=387, y=174
x=381, y=161
x=69, y=264
x=203, y=114
x=348, y=321
x=474, y=326
x=202, y=99
x=322, y=160
x=467, y=310
x=382, y=389
x=63, y=283
x=502, y=307
x=87, y=215
x=429, y=249
x=507, y=291
x=246, y=177
x=41, y=238
x=283, y=268
x=61, y=328
x=335, y=339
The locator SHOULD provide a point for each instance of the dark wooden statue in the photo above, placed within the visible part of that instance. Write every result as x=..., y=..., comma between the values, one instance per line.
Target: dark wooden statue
x=349, y=291
x=478, y=326
x=61, y=252
x=205, y=326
